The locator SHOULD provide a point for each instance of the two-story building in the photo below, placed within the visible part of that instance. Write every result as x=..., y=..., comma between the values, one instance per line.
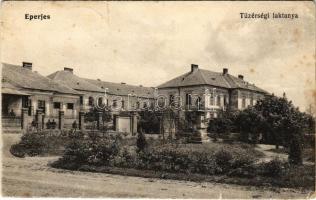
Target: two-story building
x=207, y=92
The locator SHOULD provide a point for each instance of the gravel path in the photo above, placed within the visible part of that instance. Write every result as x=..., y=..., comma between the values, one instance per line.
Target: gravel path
x=26, y=177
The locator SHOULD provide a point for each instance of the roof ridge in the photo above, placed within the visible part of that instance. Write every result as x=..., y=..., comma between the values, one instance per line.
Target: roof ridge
x=227, y=82
x=47, y=83
x=88, y=79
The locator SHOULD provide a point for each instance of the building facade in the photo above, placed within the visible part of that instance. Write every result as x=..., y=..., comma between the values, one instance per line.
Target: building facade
x=28, y=98
x=121, y=99
x=207, y=93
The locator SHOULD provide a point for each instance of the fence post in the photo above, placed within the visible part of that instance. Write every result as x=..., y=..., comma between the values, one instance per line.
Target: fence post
x=81, y=120
x=134, y=123
x=61, y=120
x=24, y=119
x=99, y=120
x=39, y=119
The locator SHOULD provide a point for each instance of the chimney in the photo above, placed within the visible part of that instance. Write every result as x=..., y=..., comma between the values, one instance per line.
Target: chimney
x=225, y=71
x=98, y=79
x=241, y=77
x=67, y=69
x=194, y=67
x=140, y=85
x=27, y=65
x=123, y=83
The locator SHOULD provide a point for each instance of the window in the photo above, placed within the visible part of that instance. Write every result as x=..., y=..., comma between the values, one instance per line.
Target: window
x=218, y=100
x=81, y=100
x=30, y=107
x=212, y=99
x=137, y=105
x=225, y=100
x=123, y=104
x=251, y=101
x=145, y=105
x=90, y=101
x=56, y=105
x=25, y=102
x=188, y=99
x=243, y=103
x=198, y=103
x=114, y=103
x=100, y=102
x=171, y=99
x=41, y=105
x=70, y=106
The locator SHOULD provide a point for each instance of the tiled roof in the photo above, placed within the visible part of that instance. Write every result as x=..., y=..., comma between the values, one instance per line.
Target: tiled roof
x=123, y=89
x=73, y=81
x=28, y=79
x=8, y=88
x=206, y=77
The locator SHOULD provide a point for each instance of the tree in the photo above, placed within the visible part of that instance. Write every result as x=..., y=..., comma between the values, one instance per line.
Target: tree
x=141, y=142
x=149, y=122
x=220, y=126
x=274, y=110
x=250, y=124
x=284, y=124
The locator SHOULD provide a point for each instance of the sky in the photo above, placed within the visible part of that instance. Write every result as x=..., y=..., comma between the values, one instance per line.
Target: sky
x=149, y=43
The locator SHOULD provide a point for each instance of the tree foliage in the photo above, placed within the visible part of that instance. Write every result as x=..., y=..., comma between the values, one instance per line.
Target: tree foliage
x=141, y=142
x=220, y=126
x=250, y=124
x=149, y=122
x=281, y=123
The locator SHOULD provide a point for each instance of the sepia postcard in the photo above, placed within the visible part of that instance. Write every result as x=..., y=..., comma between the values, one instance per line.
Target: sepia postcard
x=158, y=99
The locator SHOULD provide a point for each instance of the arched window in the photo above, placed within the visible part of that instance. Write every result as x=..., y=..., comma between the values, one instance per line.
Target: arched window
x=243, y=102
x=218, y=100
x=90, y=101
x=188, y=99
x=100, y=102
x=211, y=99
x=198, y=103
x=171, y=99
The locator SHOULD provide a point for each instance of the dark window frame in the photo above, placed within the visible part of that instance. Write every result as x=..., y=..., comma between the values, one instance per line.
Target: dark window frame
x=56, y=103
x=70, y=106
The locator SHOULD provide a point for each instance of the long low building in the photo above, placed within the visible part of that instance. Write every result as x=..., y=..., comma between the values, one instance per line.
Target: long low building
x=25, y=89
x=29, y=98
x=116, y=96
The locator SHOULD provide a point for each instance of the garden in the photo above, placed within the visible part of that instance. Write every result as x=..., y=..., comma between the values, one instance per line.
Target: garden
x=237, y=161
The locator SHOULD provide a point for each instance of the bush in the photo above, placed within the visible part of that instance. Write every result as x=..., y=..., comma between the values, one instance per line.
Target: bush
x=18, y=150
x=30, y=144
x=220, y=126
x=141, y=142
x=273, y=168
x=94, y=152
x=295, y=152
x=223, y=159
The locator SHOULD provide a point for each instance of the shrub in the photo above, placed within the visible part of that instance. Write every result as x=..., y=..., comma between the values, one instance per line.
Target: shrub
x=18, y=150
x=220, y=126
x=223, y=159
x=31, y=144
x=141, y=142
x=295, y=153
x=273, y=168
x=95, y=152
